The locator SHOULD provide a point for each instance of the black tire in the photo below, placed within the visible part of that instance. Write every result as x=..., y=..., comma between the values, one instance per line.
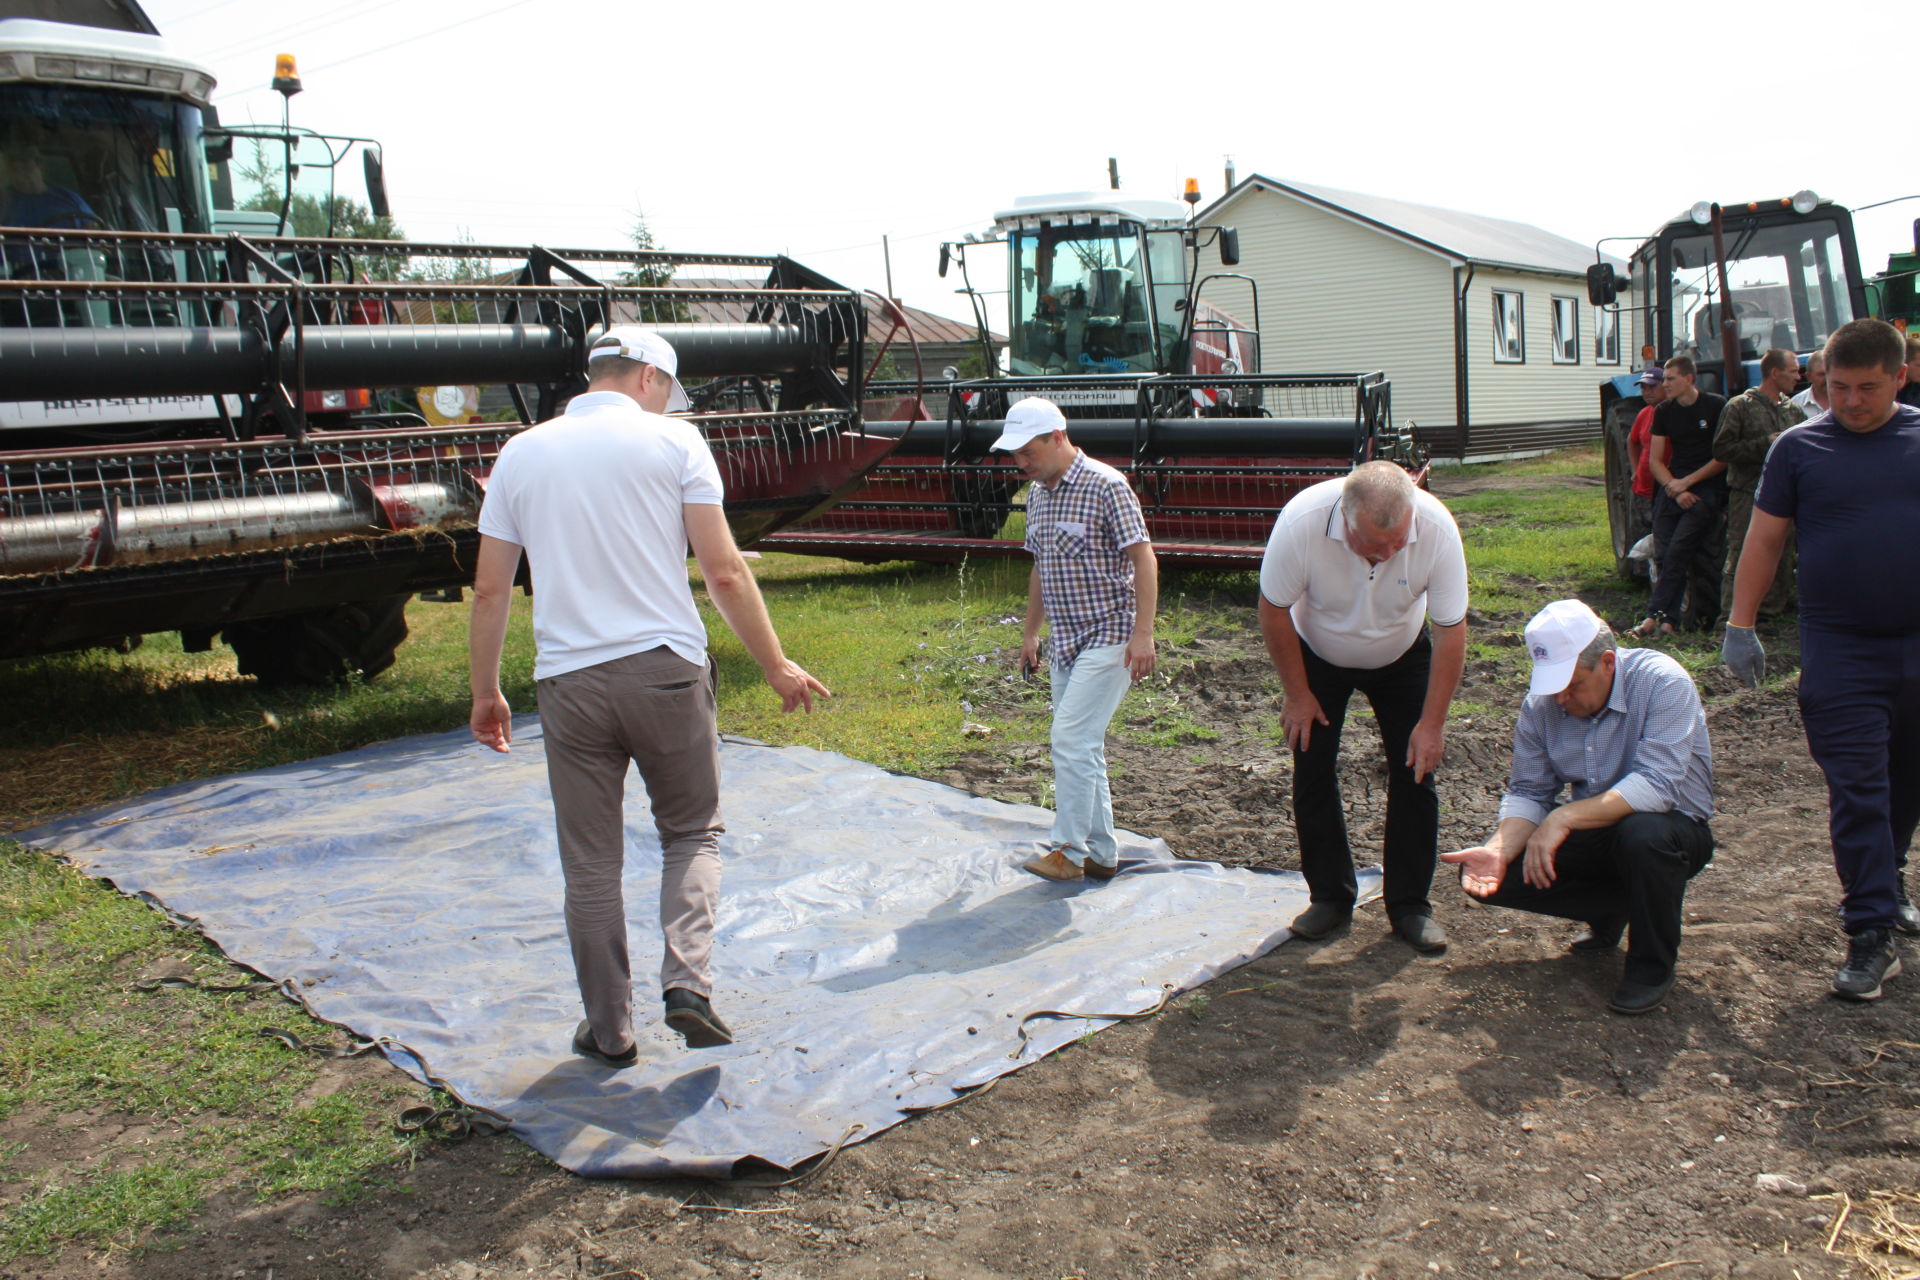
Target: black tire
x=1624, y=521
x=324, y=646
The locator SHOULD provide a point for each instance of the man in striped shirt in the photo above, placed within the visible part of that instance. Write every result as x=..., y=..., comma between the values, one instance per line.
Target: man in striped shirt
x=1625, y=730
x=1095, y=582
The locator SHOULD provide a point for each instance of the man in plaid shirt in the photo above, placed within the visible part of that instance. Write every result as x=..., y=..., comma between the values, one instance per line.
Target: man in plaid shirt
x=1096, y=582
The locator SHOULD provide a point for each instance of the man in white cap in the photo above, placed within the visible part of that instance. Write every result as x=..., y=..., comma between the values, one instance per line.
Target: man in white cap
x=1095, y=582
x=1625, y=730
x=605, y=500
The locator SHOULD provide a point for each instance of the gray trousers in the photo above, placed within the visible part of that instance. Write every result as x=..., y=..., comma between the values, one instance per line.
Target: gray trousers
x=655, y=710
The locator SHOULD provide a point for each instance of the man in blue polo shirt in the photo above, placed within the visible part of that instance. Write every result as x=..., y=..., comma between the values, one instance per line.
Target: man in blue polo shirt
x=1845, y=482
x=1095, y=585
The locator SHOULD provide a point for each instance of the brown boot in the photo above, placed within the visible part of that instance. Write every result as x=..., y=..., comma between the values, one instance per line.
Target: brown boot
x=1055, y=866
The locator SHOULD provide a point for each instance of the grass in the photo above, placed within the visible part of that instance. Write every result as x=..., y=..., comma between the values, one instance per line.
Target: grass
x=912, y=652
x=217, y=1104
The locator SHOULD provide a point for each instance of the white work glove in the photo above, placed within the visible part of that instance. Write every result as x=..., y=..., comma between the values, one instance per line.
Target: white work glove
x=1740, y=649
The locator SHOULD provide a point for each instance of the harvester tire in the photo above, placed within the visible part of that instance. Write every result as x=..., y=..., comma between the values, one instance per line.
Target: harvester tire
x=1626, y=525
x=323, y=646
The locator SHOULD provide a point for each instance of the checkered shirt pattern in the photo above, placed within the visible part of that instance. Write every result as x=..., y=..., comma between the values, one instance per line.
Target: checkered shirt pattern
x=1078, y=532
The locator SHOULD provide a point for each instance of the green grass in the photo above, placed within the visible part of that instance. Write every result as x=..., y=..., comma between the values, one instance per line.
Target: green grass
x=220, y=1104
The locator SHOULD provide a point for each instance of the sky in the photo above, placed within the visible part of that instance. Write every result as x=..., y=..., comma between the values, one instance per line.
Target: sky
x=816, y=129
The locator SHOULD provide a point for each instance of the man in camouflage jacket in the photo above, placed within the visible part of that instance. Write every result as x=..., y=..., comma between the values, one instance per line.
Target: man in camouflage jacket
x=1747, y=429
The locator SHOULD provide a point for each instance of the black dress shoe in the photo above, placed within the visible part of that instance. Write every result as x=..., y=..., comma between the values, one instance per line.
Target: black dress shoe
x=1599, y=935
x=1422, y=934
x=1319, y=920
x=585, y=1046
x=689, y=1013
x=1636, y=997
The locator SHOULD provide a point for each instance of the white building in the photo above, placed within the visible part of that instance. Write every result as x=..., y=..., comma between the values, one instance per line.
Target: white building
x=1482, y=325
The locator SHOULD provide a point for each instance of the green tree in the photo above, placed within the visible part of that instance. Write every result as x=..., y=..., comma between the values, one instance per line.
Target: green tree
x=644, y=274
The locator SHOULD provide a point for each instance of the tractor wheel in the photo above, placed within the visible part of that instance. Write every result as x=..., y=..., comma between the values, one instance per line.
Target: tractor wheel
x=1625, y=522
x=321, y=647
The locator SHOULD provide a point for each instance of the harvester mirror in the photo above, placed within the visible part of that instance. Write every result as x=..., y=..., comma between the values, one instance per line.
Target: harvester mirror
x=376, y=183
x=946, y=257
x=219, y=146
x=1603, y=286
x=1229, y=246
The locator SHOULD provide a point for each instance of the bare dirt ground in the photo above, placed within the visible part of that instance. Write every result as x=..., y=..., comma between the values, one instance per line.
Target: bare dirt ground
x=1342, y=1109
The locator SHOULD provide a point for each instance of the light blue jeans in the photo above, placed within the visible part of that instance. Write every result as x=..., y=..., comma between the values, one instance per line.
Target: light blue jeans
x=1085, y=696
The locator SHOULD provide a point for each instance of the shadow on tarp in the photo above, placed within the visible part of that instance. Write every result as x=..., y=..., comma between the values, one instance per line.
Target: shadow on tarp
x=878, y=947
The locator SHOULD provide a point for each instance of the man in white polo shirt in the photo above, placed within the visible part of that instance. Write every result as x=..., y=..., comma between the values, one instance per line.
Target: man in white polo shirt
x=1353, y=570
x=605, y=501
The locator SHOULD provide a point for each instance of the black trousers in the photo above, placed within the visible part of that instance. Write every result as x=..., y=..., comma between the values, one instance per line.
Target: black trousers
x=1398, y=693
x=1693, y=548
x=1860, y=703
x=1636, y=870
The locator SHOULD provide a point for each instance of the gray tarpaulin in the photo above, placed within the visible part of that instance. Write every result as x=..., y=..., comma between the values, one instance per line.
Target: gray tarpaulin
x=878, y=945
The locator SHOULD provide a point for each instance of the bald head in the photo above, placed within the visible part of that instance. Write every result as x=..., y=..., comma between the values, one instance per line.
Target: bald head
x=1376, y=501
x=1380, y=491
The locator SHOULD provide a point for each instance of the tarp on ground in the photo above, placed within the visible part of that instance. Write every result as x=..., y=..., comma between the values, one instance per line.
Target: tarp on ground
x=878, y=947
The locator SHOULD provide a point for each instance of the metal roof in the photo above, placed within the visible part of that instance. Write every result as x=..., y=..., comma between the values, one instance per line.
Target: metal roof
x=1470, y=237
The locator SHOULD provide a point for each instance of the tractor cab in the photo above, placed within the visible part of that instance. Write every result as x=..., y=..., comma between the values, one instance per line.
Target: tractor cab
x=1097, y=285
x=1791, y=273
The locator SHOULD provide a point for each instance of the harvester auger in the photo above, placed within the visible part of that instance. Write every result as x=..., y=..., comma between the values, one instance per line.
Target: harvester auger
x=1213, y=459
x=228, y=511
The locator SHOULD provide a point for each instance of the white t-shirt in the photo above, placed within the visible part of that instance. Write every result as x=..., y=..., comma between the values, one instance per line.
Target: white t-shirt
x=1352, y=613
x=594, y=498
x=1804, y=399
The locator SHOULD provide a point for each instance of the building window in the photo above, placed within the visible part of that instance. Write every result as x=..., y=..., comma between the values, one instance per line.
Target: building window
x=1606, y=336
x=1566, y=330
x=1509, y=328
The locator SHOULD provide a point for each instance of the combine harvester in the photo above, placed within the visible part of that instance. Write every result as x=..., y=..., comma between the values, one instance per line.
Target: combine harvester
x=1108, y=320
x=176, y=449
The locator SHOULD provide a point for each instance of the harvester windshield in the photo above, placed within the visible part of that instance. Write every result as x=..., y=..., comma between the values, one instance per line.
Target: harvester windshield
x=1084, y=300
x=99, y=159
x=1789, y=286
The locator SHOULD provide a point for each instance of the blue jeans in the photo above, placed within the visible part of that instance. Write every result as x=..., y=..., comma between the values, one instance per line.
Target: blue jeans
x=1085, y=696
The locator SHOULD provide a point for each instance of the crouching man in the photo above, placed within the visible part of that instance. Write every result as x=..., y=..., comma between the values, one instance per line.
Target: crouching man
x=1625, y=730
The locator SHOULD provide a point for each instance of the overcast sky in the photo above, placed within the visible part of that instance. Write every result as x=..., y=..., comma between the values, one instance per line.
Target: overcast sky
x=814, y=129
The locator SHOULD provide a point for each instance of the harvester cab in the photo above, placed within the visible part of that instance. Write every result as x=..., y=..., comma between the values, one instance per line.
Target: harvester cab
x=109, y=142
x=1105, y=283
x=1739, y=278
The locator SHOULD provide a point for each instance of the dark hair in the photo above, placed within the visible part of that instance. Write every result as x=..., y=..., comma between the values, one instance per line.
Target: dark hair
x=1866, y=344
x=1913, y=346
x=1778, y=358
x=1682, y=366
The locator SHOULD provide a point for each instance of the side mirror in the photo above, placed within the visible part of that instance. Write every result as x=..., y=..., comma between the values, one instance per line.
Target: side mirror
x=218, y=146
x=376, y=183
x=1603, y=286
x=1229, y=246
x=946, y=257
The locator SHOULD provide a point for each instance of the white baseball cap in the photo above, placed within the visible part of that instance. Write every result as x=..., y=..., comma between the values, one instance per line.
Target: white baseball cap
x=1027, y=421
x=648, y=347
x=1555, y=638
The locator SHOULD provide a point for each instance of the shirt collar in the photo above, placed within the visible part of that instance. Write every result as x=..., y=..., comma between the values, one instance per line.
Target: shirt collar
x=588, y=400
x=1073, y=472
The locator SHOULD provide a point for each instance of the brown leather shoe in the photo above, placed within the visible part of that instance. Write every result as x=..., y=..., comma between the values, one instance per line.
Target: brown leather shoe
x=1096, y=871
x=1055, y=866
